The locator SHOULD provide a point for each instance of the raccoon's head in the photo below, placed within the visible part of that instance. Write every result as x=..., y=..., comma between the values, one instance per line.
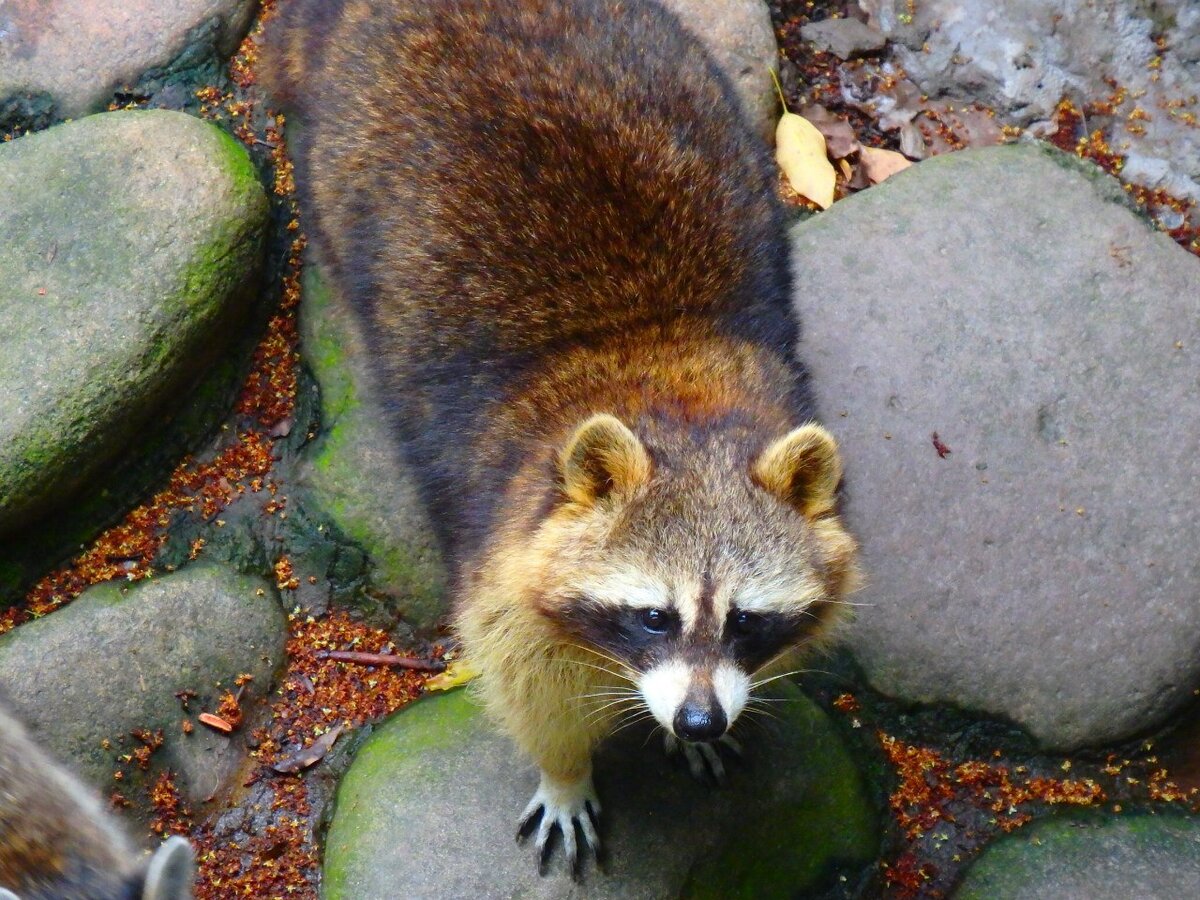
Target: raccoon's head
x=692, y=559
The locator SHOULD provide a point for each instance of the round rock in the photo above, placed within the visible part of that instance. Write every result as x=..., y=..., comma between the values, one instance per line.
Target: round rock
x=430, y=804
x=129, y=246
x=78, y=52
x=1152, y=857
x=112, y=661
x=429, y=809
x=1041, y=565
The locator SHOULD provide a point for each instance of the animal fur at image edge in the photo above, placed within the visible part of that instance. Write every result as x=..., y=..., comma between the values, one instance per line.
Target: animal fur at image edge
x=57, y=842
x=565, y=246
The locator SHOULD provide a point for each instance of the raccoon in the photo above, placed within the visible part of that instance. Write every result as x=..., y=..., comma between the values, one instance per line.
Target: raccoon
x=564, y=245
x=58, y=843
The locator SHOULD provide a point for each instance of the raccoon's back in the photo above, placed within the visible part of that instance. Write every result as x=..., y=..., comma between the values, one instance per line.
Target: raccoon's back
x=496, y=177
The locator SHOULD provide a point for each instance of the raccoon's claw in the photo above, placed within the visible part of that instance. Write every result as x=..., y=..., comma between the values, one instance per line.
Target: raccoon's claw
x=704, y=760
x=555, y=806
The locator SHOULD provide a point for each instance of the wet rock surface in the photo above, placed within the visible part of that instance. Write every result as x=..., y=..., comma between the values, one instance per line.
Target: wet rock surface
x=436, y=787
x=130, y=250
x=741, y=38
x=1043, y=570
x=112, y=662
x=1152, y=857
x=67, y=57
x=354, y=473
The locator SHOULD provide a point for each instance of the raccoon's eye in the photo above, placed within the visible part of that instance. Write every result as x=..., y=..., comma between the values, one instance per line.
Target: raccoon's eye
x=655, y=621
x=745, y=624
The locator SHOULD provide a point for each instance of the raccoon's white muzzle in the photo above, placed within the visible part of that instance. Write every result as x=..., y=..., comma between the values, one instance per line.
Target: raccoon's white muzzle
x=695, y=704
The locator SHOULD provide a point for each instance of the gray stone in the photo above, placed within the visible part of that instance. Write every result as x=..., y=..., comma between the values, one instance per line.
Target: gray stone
x=80, y=51
x=1150, y=857
x=429, y=806
x=112, y=660
x=740, y=36
x=1046, y=570
x=1020, y=57
x=354, y=472
x=844, y=38
x=129, y=247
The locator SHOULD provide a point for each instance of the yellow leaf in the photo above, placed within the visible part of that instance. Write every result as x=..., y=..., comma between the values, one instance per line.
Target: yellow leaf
x=879, y=165
x=800, y=152
x=847, y=172
x=457, y=672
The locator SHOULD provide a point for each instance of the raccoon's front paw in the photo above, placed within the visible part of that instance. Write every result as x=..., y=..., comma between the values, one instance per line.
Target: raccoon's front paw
x=564, y=807
x=704, y=760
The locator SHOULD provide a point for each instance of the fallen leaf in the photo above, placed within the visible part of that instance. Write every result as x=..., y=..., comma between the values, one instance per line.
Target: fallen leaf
x=838, y=133
x=457, y=672
x=800, y=152
x=215, y=722
x=847, y=172
x=879, y=165
x=310, y=755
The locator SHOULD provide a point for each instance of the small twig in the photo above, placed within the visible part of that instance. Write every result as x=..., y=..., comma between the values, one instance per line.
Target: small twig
x=384, y=659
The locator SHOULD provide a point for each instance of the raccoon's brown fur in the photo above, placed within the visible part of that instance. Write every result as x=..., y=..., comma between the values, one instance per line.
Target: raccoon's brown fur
x=565, y=247
x=58, y=843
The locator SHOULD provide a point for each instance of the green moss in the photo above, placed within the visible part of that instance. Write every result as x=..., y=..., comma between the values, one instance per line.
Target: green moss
x=432, y=725
x=791, y=847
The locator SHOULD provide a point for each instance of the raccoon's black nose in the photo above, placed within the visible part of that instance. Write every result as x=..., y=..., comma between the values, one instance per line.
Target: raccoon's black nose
x=695, y=722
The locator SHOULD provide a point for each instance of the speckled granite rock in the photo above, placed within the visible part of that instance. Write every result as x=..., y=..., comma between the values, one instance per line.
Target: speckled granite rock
x=740, y=36
x=129, y=246
x=1091, y=858
x=429, y=806
x=1046, y=569
x=76, y=53
x=112, y=660
x=1021, y=57
x=354, y=473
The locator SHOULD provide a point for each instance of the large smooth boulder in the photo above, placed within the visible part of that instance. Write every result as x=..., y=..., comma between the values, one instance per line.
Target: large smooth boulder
x=113, y=660
x=130, y=245
x=429, y=807
x=76, y=53
x=1150, y=857
x=1047, y=569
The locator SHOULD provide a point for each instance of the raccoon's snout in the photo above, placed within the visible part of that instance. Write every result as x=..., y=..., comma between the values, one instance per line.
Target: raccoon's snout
x=700, y=721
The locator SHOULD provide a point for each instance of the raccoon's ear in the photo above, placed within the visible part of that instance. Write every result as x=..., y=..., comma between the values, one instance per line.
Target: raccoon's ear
x=602, y=457
x=802, y=467
x=171, y=872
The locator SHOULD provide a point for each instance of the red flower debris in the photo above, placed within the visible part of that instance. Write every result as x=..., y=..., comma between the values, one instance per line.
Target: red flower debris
x=127, y=550
x=171, y=814
x=934, y=791
x=285, y=576
x=846, y=703
x=1072, y=137
x=317, y=695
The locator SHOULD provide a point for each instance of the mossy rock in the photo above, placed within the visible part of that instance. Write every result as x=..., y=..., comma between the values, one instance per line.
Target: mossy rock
x=429, y=809
x=133, y=244
x=354, y=474
x=112, y=661
x=1101, y=857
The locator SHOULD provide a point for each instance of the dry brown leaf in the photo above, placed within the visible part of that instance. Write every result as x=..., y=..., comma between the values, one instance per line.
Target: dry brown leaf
x=310, y=755
x=838, y=133
x=800, y=152
x=879, y=165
